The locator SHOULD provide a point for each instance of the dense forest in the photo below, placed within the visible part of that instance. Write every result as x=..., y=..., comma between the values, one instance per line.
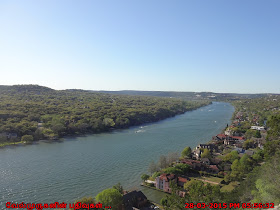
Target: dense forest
x=262, y=183
x=32, y=112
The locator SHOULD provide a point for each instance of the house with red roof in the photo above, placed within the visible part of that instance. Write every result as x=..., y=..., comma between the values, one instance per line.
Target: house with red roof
x=213, y=169
x=163, y=181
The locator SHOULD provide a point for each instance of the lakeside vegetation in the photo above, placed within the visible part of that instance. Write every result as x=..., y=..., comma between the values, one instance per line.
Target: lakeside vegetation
x=31, y=112
x=248, y=178
x=242, y=177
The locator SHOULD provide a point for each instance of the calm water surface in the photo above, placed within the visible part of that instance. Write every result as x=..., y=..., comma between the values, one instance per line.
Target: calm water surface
x=84, y=166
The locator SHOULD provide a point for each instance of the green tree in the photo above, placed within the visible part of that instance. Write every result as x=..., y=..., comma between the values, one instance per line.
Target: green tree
x=258, y=156
x=108, y=122
x=110, y=197
x=119, y=188
x=86, y=200
x=185, y=168
x=186, y=152
x=38, y=134
x=258, y=134
x=156, y=174
x=58, y=128
x=27, y=138
x=48, y=133
x=237, y=172
x=206, y=153
x=271, y=147
x=173, y=170
x=164, y=201
x=268, y=182
x=250, y=133
x=195, y=189
x=144, y=177
x=248, y=144
x=274, y=124
x=246, y=163
x=199, y=192
x=174, y=201
x=231, y=157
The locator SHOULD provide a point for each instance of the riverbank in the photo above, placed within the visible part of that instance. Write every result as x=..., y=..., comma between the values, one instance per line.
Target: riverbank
x=226, y=162
x=4, y=144
x=85, y=166
x=55, y=138
x=206, y=167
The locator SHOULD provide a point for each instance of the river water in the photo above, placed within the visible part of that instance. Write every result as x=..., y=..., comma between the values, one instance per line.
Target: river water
x=83, y=166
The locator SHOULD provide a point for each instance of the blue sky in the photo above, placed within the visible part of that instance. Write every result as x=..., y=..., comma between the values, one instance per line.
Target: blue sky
x=181, y=45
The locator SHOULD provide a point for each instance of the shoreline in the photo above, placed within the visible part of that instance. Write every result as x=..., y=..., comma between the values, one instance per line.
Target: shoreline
x=21, y=143
x=207, y=142
x=75, y=144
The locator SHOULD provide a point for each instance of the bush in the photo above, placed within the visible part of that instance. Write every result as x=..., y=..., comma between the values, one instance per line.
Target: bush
x=156, y=174
x=144, y=177
x=27, y=138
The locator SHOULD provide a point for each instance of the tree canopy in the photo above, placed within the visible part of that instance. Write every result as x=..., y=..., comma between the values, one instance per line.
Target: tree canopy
x=186, y=152
x=46, y=113
x=110, y=197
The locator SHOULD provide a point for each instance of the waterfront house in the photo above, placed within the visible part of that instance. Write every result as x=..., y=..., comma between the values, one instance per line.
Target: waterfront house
x=211, y=147
x=182, y=181
x=196, y=153
x=213, y=169
x=221, y=137
x=259, y=128
x=229, y=132
x=194, y=164
x=237, y=138
x=134, y=199
x=233, y=140
x=229, y=142
x=204, y=165
x=163, y=182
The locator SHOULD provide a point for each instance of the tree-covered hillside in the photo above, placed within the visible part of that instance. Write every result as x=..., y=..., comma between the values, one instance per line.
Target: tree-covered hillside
x=41, y=112
x=190, y=95
x=249, y=173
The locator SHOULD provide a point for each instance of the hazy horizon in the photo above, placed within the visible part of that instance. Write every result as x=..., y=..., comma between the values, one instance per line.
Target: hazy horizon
x=143, y=90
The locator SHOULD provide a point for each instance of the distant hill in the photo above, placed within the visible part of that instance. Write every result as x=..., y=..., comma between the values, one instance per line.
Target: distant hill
x=40, y=90
x=189, y=95
x=25, y=89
